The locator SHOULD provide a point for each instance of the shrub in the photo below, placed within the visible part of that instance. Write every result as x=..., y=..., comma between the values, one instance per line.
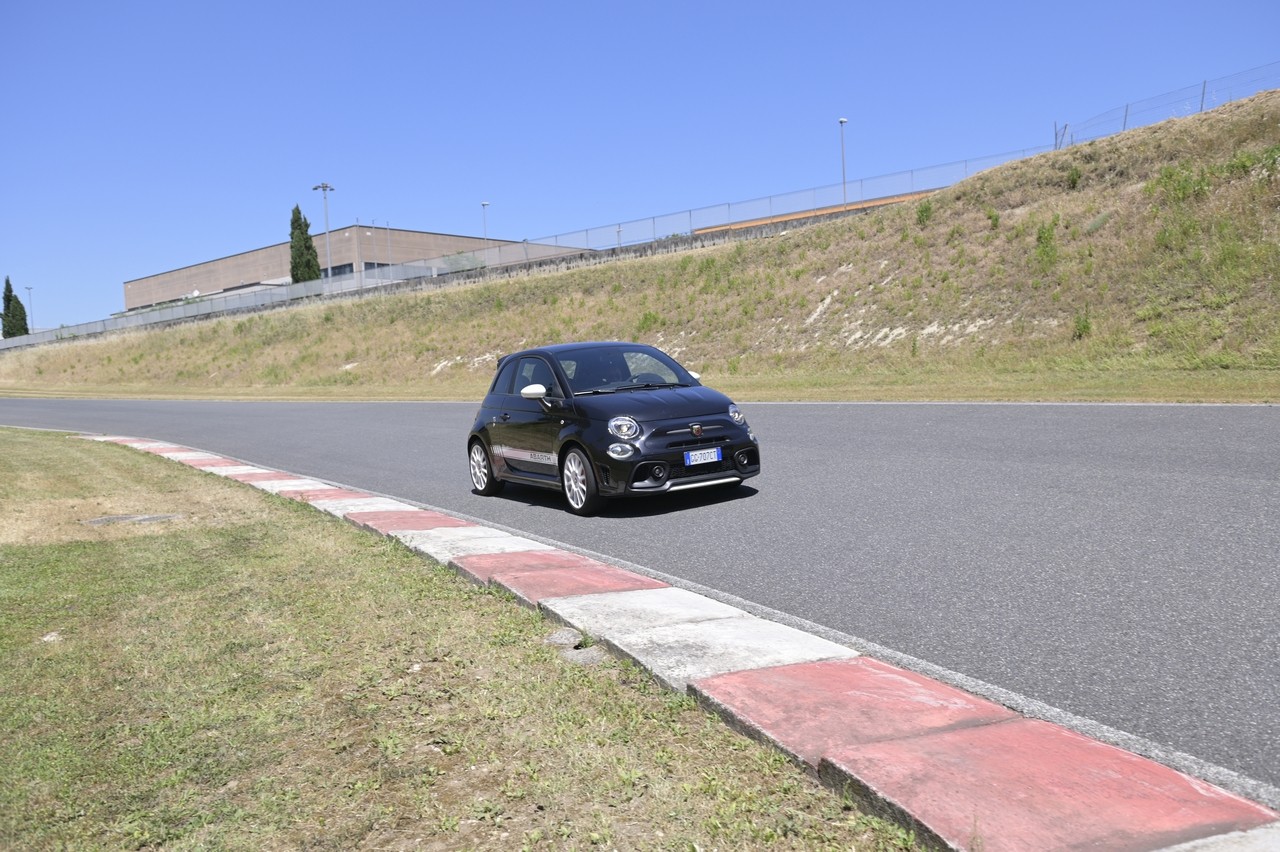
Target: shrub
x=924, y=212
x=1180, y=183
x=1094, y=226
x=1082, y=325
x=1047, y=243
x=648, y=321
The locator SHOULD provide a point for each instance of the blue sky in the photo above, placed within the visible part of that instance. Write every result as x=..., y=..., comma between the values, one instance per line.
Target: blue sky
x=140, y=137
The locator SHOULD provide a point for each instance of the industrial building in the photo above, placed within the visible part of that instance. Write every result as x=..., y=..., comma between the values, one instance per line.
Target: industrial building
x=343, y=251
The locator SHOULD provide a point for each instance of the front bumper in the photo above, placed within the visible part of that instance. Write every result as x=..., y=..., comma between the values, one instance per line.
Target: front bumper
x=657, y=463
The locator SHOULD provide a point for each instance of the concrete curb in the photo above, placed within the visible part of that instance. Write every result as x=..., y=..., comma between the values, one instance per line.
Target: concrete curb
x=965, y=772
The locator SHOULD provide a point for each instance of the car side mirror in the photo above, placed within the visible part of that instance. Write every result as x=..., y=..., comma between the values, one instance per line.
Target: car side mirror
x=697, y=377
x=534, y=391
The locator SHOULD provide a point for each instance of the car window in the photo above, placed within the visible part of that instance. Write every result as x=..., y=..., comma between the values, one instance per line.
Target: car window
x=595, y=369
x=502, y=381
x=643, y=367
x=608, y=369
x=535, y=371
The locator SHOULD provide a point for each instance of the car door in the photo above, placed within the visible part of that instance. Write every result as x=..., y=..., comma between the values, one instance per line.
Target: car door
x=530, y=427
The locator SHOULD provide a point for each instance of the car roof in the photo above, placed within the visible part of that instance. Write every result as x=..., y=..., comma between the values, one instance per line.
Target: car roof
x=561, y=348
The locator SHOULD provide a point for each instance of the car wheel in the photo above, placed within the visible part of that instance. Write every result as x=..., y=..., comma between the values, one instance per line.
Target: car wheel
x=482, y=471
x=579, y=482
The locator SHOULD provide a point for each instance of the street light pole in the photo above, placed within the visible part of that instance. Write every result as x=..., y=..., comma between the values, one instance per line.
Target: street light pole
x=328, y=256
x=31, y=311
x=484, y=209
x=844, y=181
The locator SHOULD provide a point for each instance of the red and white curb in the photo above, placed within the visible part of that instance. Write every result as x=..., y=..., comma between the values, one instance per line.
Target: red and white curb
x=966, y=772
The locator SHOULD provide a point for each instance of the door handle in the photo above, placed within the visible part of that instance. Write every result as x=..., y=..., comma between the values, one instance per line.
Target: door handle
x=505, y=417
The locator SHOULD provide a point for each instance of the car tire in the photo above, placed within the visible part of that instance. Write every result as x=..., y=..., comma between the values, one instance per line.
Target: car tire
x=482, y=478
x=579, y=482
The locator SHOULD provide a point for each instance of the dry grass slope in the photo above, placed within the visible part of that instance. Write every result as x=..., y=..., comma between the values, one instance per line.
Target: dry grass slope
x=1143, y=266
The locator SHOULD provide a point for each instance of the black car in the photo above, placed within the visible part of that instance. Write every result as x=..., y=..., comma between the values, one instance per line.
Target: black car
x=598, y=420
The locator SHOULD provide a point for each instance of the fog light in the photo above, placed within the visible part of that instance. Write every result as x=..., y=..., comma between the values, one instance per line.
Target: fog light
x=659, y=472
x=742, y=458
x=621, y=451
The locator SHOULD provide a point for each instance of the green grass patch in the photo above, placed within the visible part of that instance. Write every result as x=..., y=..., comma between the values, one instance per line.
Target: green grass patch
x=256, y=674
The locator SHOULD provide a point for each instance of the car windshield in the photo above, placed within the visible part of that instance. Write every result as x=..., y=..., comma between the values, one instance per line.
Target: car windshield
x=615, y=368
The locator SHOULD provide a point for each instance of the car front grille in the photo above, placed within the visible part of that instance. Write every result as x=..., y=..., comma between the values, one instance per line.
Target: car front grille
x=693, y=443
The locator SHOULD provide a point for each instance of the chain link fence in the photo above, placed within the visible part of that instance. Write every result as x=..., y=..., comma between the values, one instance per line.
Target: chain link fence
x=615, y=239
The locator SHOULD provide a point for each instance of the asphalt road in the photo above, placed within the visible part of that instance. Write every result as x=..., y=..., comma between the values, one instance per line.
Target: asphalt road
x=1117, y=563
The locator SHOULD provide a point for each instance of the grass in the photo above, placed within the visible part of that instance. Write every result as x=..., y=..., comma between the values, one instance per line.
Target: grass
x=1138, y=267
x=255, y=674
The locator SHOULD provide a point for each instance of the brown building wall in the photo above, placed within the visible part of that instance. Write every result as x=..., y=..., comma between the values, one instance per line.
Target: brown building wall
x=353, y=247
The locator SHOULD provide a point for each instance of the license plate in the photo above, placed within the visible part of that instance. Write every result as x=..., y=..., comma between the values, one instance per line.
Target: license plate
x=693, y=457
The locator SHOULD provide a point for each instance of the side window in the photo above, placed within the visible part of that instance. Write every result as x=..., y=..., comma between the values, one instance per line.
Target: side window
x=534, y=371
x=502, y=382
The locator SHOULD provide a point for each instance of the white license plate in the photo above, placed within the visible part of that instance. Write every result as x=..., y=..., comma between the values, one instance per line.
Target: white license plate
x=701, y=456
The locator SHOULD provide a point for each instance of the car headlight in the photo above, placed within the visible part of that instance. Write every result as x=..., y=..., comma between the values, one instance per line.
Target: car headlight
x=625, y=428
x=736, y=414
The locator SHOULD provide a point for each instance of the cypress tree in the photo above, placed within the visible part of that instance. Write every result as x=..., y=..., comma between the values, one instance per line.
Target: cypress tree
x=15, y=319
x=304, y=263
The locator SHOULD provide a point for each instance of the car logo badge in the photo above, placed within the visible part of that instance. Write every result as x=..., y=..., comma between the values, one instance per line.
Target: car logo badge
x=696, y=429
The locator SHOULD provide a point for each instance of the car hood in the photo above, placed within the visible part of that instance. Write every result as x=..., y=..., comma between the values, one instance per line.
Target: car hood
x=655, y=404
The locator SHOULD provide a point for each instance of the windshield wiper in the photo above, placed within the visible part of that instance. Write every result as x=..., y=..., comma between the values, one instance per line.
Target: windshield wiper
x=594, y=391
x=654, y=385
